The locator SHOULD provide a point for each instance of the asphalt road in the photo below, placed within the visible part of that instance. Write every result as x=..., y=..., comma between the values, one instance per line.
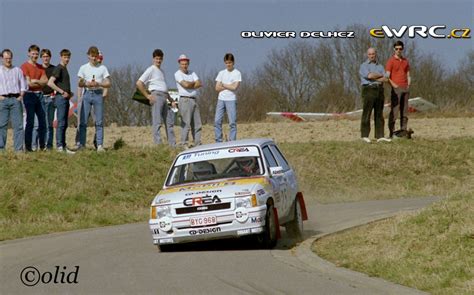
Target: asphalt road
x=123, y=260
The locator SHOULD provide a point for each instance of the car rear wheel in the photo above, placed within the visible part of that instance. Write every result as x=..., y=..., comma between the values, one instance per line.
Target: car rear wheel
x=294, y=228
x=268, y=238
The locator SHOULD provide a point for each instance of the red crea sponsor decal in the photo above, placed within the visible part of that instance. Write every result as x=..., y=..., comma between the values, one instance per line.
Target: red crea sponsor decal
x=239, y=150
x=198, y=201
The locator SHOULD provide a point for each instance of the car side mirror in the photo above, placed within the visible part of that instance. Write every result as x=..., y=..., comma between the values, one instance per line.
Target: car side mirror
x=275, y=171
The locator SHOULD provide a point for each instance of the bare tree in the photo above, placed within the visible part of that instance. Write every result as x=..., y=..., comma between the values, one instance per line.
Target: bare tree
x=323, y=76
x=286, y=76
x=119, y=106
x=428, y=77
x=207, y=96
x=253, y=102
x=458, y=87
x=312, y=77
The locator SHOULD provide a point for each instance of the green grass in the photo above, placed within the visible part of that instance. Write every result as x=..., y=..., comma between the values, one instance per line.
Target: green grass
x=353, y=171
x=50, y=192
x=432, y=250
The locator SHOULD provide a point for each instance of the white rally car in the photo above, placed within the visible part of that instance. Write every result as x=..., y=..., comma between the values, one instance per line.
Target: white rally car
x=225, y=190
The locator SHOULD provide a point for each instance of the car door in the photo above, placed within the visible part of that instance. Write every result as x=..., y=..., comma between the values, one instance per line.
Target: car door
x=278, y=181
x=289, y=178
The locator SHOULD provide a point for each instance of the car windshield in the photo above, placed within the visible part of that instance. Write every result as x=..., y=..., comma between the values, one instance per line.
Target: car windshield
x=216, y=164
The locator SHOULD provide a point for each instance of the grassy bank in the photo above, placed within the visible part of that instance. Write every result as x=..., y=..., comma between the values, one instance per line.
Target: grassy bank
x=48, y=192
x=432, y=250
x=353, y=171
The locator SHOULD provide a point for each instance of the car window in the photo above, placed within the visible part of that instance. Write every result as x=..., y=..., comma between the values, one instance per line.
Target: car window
x=241, y=161
x=269, y=158
x=279, y=157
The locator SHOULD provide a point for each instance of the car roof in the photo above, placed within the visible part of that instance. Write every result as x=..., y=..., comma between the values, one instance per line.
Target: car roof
x=229, y=144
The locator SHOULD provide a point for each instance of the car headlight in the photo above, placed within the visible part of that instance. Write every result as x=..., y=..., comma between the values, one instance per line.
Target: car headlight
x=153, y=212
x=246, y=202
x=162, y=211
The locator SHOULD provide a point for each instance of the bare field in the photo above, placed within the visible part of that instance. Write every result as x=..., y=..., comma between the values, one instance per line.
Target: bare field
x=287, y=131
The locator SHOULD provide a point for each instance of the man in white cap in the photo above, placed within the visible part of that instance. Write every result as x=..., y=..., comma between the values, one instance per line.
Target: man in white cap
x=187, y=83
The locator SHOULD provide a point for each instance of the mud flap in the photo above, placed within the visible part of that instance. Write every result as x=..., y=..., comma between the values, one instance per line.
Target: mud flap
x=278, y=233
x=304, y=213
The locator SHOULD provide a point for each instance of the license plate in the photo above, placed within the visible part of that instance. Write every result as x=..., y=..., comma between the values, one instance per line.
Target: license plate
x=203, y=220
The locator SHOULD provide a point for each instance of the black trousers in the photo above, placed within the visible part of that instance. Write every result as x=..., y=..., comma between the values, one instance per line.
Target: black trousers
x=372, y=99
x=398, y=107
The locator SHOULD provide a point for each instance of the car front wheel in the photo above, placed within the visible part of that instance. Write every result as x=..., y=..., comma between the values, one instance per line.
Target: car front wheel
x=294, y=228
x=268, y=239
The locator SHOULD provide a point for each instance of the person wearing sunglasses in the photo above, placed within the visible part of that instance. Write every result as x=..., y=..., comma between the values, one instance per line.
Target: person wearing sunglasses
x=398, y=71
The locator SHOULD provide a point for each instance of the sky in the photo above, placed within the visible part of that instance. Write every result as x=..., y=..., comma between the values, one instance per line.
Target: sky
x=128, y=31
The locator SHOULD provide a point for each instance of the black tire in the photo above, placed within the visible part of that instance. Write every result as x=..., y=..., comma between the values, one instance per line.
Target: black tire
x=294, y=228
x=268, y=239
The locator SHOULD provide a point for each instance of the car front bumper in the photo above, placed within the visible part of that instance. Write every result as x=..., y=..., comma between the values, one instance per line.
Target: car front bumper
x=230, y=224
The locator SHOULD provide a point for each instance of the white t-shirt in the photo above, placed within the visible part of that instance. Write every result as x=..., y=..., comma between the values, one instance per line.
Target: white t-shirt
x=154, y=79
x=227, y=77
x=88, y=71
x=192, y=77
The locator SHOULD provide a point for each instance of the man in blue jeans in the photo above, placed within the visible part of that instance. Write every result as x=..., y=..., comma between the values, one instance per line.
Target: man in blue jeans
x=227, y=82
x=33, y=100
x=48, y=102
x=12, y=88
x=93, y=77
x=60, y=82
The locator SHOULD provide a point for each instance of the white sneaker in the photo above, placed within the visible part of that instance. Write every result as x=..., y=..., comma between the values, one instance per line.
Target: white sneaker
x=68, y=151
x=383, y=139
x=64, y=150
x=100, y=149
x=366, y=139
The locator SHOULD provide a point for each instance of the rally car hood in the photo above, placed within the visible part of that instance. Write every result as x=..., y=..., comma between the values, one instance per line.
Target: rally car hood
x=223, y=189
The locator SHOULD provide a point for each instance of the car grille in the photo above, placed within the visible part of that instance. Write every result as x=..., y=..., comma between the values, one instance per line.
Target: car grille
x=203, y=208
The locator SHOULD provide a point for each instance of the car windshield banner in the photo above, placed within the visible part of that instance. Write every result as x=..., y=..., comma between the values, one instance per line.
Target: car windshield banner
x=230, y=152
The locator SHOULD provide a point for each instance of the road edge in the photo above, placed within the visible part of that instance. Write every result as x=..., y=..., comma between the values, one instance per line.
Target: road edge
x=310, y=259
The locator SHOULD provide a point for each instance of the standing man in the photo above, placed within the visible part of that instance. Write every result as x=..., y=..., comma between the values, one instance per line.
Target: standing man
x=93, y=77
x=227, y=82
x=80, y=90
x=372, y=76
x=48, y=95
x=60, y=82
x=187, y=83
x=12, y=89
x=398, y=72
x=33, y=100
x=152, y=85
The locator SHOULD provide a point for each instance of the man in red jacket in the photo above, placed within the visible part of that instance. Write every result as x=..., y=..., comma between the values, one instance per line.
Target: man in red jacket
x=33, y=100
x=398, y=72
